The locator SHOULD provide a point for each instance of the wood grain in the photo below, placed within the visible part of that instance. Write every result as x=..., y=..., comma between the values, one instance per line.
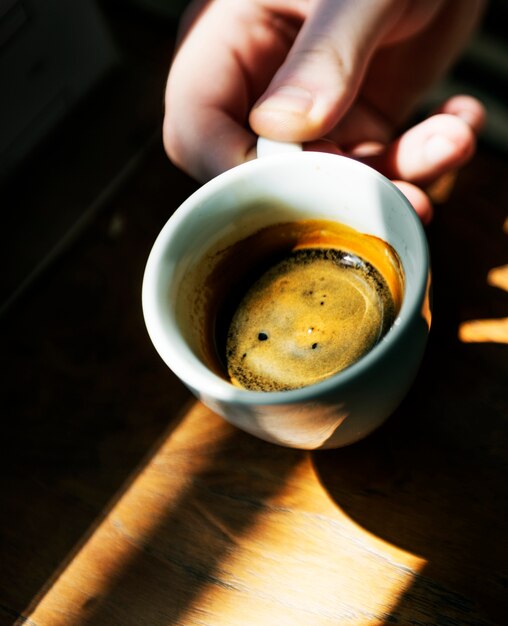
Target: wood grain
x=222, y=529
x=219, y=528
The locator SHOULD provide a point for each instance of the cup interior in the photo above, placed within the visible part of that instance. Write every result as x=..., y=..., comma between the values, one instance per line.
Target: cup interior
x=240, y=202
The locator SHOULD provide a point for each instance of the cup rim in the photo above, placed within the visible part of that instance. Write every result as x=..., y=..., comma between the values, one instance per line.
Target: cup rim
x=180, y=358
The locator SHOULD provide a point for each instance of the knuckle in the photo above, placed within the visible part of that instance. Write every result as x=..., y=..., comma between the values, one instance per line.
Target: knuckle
x=322, y=60
x=173, y=144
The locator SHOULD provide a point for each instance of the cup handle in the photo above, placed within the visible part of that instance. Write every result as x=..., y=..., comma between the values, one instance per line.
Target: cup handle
x=268, y=147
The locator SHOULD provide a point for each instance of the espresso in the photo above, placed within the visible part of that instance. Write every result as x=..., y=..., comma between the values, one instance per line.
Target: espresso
x=291, y=304
x=308, y=317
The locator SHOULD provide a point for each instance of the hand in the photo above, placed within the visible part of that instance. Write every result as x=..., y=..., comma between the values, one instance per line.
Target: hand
x=346, y=71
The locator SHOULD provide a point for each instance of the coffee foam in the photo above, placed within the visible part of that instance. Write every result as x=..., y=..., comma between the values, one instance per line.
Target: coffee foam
x=309, y=316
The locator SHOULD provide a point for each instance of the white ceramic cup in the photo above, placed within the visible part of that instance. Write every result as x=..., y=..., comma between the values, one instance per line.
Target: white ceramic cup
x=288, y=185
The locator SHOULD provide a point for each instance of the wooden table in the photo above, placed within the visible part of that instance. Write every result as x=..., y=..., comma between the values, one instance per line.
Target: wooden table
x=124, y=501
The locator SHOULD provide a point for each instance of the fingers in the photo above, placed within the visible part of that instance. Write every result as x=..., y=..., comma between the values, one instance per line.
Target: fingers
x=418, y=199
x=211, y=144
x=467, y=108
x=324, y=69
x=428, y=150
x=208, y=94
x=202, y=131
x=432, y=149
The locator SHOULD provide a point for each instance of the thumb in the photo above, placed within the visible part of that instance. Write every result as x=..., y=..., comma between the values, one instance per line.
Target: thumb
x=323, y=71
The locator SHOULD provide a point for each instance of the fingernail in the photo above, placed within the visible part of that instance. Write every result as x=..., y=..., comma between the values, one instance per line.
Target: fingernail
x=288, y=99
x=438, y=149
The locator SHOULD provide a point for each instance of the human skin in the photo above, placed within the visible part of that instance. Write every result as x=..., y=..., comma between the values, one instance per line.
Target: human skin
x=338, y=75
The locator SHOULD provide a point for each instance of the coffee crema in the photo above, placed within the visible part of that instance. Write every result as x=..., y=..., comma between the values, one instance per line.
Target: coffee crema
x=307, y=318
x=297, y=302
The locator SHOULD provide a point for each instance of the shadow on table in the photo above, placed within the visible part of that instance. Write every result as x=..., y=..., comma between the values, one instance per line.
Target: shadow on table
x=433, y=482
x=434, y=479
x=85, y=399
